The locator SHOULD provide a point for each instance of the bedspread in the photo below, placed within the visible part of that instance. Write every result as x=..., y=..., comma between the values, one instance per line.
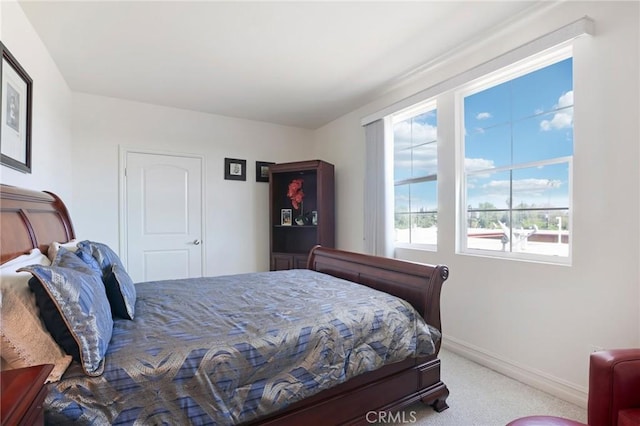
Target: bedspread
x=230, y=349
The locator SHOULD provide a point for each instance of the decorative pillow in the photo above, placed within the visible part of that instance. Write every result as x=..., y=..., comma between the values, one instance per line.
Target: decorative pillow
x=75, y=310
x=68, y=259
x=102, y=253
x=54, y=246
x=121, y=292
x=24, y=340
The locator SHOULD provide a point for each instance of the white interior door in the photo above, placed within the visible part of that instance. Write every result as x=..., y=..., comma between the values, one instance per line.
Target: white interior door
x=163, y=216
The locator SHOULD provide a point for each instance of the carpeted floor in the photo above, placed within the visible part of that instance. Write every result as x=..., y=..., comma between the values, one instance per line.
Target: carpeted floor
x=482, y=397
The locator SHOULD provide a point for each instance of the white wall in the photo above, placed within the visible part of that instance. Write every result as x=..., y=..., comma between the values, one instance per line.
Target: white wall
x=51, y=131
x=535, y=321
x=236, y=218
x=80, y=164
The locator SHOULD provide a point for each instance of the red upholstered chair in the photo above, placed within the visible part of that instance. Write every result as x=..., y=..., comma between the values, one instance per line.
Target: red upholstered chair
x=614, y=388
x=614, y=392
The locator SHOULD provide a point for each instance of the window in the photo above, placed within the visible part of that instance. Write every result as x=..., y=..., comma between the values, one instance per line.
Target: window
x=415, y=166
x=517, y=150
x=510, y=191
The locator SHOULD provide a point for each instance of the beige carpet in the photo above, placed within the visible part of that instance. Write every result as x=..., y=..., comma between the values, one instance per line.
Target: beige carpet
x=482, y=397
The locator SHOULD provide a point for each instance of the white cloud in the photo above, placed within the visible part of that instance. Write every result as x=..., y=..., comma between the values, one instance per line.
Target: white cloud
x=483, y=116
x=565, y=100
x=423, y=159
x=405, y=131
x=538, y=192
x=535, y=186
x=471, y=164
x=523, y=187
x=562, y=119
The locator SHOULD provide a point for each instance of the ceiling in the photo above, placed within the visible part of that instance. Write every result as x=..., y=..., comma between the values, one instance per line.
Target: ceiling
x=299, y=64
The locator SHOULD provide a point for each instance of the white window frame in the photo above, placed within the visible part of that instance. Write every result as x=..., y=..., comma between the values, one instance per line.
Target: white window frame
x=400, y=116
x=562, y=36
x=510, y=72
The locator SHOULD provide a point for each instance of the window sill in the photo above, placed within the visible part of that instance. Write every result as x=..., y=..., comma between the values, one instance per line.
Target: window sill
x=421, y=247
x=521, y=257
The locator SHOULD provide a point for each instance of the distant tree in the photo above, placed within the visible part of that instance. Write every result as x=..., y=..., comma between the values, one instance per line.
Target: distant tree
x=402, y=220
x=485, y=216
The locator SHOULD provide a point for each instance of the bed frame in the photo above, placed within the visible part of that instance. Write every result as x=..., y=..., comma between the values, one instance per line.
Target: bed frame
x=30, y=219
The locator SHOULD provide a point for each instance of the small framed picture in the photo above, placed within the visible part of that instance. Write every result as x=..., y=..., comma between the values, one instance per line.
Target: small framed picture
x=262, y=171
x=16, y=91
x=314, y=217
x=235, y=169
x=285, y=217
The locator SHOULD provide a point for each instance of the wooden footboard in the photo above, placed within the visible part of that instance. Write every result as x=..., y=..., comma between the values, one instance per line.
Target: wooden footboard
x=394, y=386
x=417, y=283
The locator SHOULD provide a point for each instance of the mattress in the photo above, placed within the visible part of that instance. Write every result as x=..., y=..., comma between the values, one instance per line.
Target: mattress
x=231, y=349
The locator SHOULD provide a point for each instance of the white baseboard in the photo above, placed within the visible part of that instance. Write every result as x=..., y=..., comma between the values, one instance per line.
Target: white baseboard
x=538, y=379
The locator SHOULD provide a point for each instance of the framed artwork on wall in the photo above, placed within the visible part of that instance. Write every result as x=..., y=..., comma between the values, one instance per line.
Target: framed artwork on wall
x=16, y=91
x=262, y=171
x=235, y=169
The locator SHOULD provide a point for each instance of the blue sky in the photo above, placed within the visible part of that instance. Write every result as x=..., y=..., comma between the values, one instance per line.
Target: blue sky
x=415, y=154
x=528, y=119
x=524, y=120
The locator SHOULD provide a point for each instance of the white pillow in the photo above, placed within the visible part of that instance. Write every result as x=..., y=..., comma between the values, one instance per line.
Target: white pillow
x=55, y=246
x=34, y=256
x=24, y=340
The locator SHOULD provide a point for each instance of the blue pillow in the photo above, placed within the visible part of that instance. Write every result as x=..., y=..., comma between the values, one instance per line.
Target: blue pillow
x=102, y=253
x=121, y=292
x=74, y=307
x=68, y=259
x=120, y=289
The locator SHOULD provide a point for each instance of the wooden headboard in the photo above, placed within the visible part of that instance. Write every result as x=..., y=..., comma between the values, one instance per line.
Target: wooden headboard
x=31, y=219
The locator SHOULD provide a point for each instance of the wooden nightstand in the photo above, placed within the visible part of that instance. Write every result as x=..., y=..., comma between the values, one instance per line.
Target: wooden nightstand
x=23, y=392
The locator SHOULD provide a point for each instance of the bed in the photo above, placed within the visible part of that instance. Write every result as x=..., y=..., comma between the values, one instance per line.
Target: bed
x=32, y=219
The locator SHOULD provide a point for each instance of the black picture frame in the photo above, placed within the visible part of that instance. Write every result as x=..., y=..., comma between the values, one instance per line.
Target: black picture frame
x=262, y=171
x=235, y=169
x=16, y=94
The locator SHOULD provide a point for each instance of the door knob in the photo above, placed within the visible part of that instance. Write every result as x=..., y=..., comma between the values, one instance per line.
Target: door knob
x=196, y=241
